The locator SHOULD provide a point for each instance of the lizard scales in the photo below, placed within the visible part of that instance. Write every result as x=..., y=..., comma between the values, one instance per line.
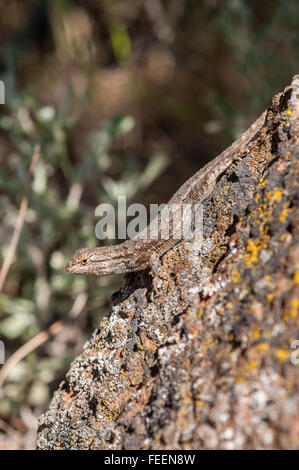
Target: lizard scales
x=137, y=254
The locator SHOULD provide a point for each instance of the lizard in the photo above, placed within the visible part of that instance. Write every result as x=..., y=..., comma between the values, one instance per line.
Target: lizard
x=137, y=254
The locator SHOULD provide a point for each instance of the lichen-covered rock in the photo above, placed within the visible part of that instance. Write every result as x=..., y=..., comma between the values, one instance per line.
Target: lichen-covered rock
x=202, y=356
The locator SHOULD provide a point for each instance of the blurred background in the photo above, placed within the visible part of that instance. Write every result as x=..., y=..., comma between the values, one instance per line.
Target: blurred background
x=125, y=97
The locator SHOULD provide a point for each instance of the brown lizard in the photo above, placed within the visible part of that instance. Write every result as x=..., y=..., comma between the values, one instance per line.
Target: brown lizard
x=137, y=254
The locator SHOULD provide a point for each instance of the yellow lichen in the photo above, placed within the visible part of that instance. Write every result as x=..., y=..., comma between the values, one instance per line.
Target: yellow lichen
x=292, y=312
x=270, y=297
x=253, y=249
x=283, y=215
x=262, y=183
x=263, y=346
x=274, y=195
x=251, y=365
x=256, y=333
x=282, y=355
x=236, y=277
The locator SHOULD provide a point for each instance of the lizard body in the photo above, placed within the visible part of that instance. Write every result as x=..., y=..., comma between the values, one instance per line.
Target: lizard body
x=137, y=254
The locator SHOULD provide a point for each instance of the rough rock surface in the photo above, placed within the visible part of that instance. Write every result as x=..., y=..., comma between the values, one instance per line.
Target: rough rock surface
x=201, y=356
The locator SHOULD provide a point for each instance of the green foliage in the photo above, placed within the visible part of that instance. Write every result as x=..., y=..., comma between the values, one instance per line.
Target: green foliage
x=120, y=40
x=58, y=221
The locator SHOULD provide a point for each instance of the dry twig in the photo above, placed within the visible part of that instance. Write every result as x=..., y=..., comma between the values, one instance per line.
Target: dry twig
x=20, y=220
x=42, y=337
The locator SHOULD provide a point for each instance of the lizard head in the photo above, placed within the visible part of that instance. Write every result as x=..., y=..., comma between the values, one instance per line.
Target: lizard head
x=105, y=260
x=80, y=262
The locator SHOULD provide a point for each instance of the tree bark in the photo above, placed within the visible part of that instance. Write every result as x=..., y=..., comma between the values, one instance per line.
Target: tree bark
x=203, y=355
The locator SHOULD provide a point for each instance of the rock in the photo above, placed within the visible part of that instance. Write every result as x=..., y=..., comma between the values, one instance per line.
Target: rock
x=204, y=354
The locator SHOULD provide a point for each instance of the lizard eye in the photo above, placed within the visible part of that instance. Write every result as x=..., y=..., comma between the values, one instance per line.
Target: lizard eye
x=84, y=261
